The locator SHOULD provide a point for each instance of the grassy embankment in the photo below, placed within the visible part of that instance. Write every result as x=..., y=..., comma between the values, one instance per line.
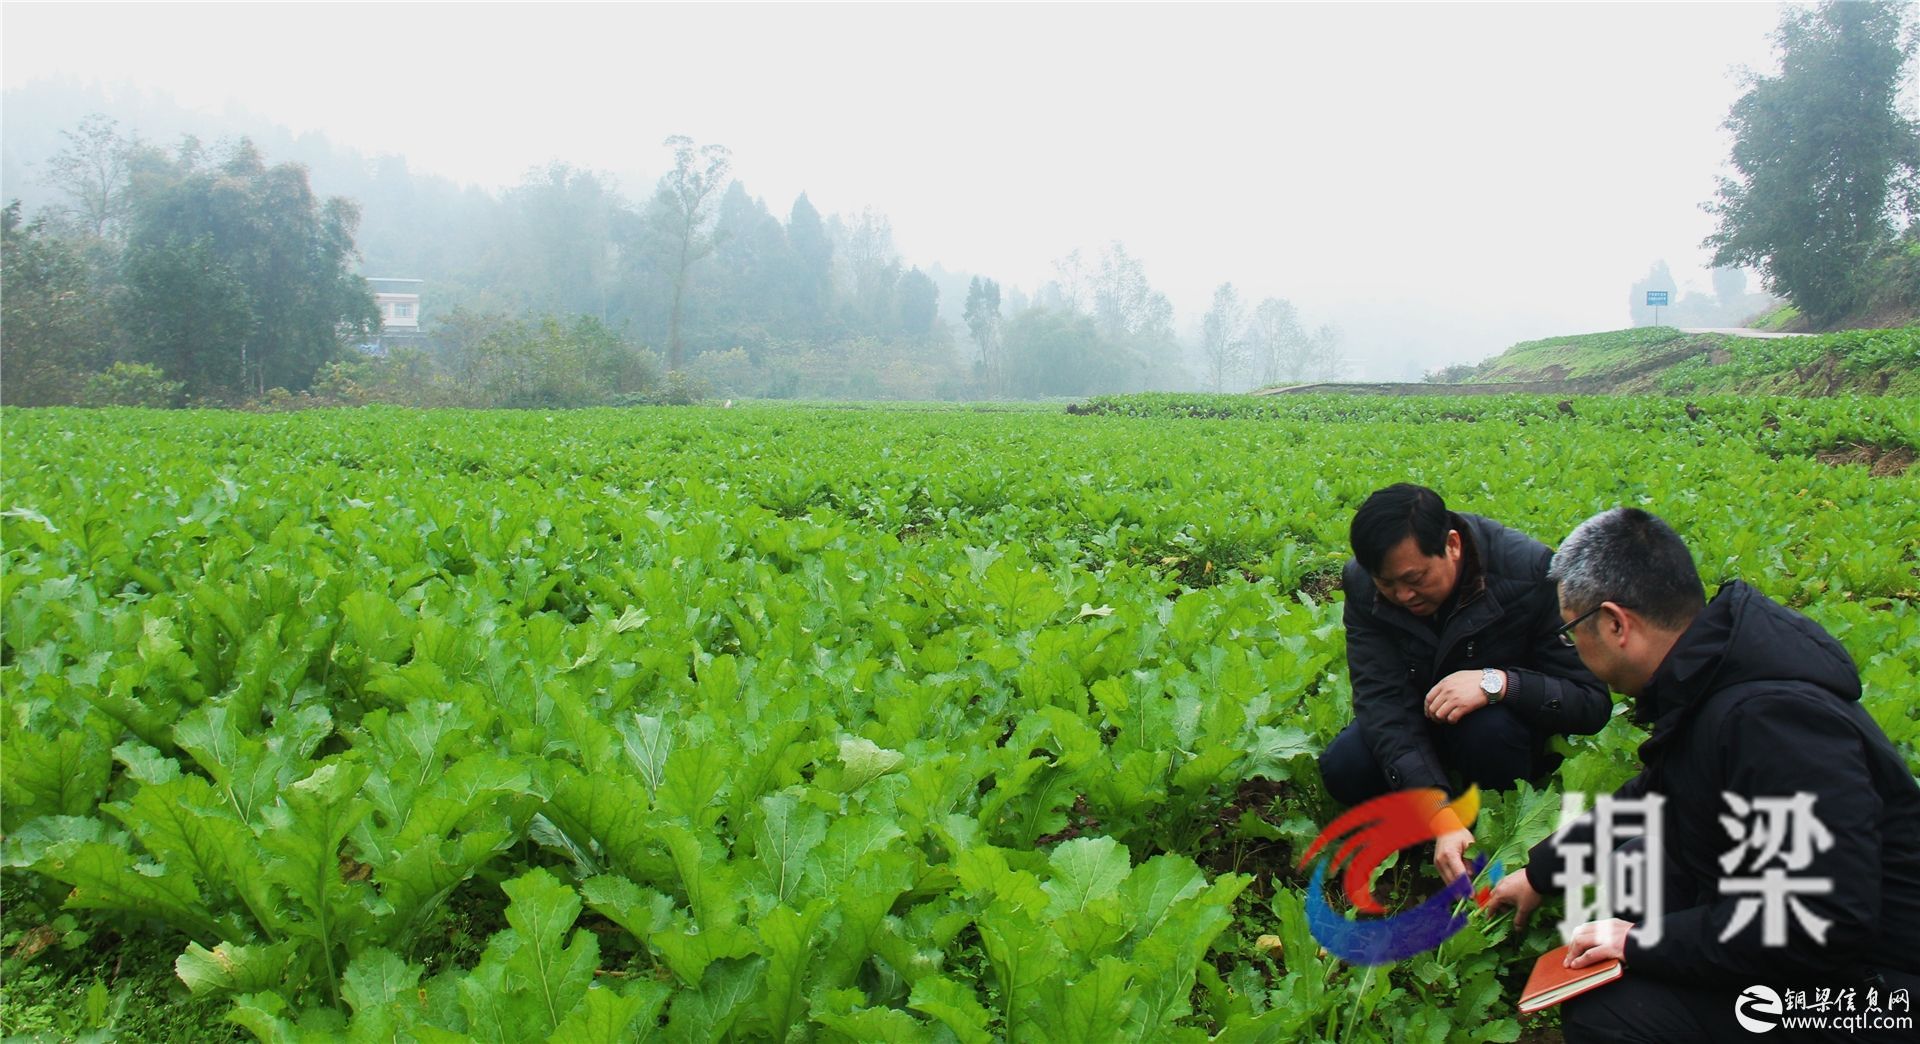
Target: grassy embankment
x=1662, y=359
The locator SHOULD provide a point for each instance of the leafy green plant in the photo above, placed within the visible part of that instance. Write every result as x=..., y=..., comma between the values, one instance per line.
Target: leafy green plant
x=791, y=722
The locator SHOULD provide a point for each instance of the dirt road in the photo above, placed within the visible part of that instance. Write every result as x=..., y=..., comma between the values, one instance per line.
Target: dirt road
x=1739, y=332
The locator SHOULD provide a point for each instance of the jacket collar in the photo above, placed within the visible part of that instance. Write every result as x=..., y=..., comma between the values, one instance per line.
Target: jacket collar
x=1473, y=571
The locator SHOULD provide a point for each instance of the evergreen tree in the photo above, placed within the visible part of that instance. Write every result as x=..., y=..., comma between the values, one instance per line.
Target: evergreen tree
x=813, y=265
x=750, y=297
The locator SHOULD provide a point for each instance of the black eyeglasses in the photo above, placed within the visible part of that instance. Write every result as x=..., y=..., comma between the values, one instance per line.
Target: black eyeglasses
x=1566, y=631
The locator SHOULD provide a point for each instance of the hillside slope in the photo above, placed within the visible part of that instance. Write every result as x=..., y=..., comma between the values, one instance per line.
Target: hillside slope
x=1661, y=359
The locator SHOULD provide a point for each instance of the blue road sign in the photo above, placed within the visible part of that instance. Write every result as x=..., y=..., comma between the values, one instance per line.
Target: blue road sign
x=1656, y=298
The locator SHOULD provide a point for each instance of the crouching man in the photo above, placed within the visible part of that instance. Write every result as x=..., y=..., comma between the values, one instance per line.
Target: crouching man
x=1454, y=657
x=1788, y=854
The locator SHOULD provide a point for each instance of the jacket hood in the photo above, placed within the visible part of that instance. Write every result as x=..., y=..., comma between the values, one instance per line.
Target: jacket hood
x=1742, y=636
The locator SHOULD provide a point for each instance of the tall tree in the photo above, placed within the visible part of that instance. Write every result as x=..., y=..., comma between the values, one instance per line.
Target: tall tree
x=751, y=295
x=93, y=172
x=983, y=324
x=1729, y=286
x=1222, y=342
x=557, y=253
x=187, y=311
x=1327, y=354
x=1126, y=306
x=239, y=278
x=1824, y=160
x=813, y=261
x=1277, y=341
x=872, y=268
x=682, y=212
x=1062, y=353
x=918, y=300
x=1072, y=285
x=53, y=325
x=1133, y=317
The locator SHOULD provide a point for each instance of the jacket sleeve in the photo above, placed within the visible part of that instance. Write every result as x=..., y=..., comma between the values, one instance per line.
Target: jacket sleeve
x=1553, y=691
x=1842, y=881
x=1393, y=724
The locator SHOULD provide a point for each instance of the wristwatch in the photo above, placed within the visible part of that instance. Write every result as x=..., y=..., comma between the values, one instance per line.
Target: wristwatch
x=1493, y=682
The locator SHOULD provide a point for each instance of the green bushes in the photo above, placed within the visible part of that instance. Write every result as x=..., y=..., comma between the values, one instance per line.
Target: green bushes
x=132, y=384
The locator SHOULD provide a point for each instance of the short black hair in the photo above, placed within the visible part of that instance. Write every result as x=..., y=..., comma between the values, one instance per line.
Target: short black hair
x=1391, y=515
x=1632, y=559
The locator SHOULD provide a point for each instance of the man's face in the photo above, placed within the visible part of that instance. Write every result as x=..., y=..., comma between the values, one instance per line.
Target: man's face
x=1418, y=582
x=1587, y=644
x=1601, y=656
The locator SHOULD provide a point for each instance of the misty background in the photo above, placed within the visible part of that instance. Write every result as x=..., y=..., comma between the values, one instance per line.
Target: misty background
x=1423, y=185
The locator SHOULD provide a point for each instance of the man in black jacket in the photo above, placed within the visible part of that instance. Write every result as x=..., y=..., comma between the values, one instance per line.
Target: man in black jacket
x=1454, y=658
x=1789, y=825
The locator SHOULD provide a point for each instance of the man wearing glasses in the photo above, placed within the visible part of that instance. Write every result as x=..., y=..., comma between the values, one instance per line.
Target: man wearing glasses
x=1455, y=660
x=1758, y=746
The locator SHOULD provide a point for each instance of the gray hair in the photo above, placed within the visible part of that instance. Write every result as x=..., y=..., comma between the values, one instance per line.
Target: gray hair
x=1632, y=559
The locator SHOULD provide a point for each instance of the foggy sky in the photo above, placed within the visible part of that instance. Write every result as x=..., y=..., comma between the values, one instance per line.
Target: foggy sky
x=1439, y=179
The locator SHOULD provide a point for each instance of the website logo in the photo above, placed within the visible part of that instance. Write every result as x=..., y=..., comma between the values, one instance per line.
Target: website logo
x=1758, y=1009
x=1380, y=828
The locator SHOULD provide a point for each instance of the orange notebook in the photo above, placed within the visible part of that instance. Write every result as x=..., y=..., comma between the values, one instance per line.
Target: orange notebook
x=1552, y=981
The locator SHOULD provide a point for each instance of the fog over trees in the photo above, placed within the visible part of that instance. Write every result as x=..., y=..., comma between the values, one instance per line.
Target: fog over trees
x=568, y=287
x=156, y=253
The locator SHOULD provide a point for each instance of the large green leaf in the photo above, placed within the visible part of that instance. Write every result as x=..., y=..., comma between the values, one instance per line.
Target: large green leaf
x=65, y=775
x=235, y=969
x=608, y=1016
x=785, y=835
x=955, y=1006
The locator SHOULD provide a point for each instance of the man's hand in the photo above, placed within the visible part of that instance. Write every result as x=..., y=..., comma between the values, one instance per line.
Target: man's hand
x=1516, y=891
x=1597, y=941
x=1458, y=695
x=1450, y=853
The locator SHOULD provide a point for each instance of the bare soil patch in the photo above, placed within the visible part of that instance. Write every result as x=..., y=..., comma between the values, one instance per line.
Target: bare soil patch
x=1880, y=461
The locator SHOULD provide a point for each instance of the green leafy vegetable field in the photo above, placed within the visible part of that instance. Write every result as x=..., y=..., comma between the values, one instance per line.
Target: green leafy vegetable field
x=784, y=723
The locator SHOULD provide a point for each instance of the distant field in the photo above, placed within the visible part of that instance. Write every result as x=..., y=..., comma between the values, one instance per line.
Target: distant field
x=782, y=722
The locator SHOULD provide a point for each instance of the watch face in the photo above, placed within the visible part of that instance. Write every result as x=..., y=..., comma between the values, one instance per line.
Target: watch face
x=1490, y=683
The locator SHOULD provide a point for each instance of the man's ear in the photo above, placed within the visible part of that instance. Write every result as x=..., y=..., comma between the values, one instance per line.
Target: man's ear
x=1452, y=550
x=1618, y=622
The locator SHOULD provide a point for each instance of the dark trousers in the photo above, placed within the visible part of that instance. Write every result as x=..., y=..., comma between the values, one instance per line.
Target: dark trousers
x=1639, y=1008
x=1491, y=747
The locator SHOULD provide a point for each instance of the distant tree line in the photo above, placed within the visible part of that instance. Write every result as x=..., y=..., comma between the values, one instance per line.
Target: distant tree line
x=1266, y=346
x=170, y=276
x=175, y=274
